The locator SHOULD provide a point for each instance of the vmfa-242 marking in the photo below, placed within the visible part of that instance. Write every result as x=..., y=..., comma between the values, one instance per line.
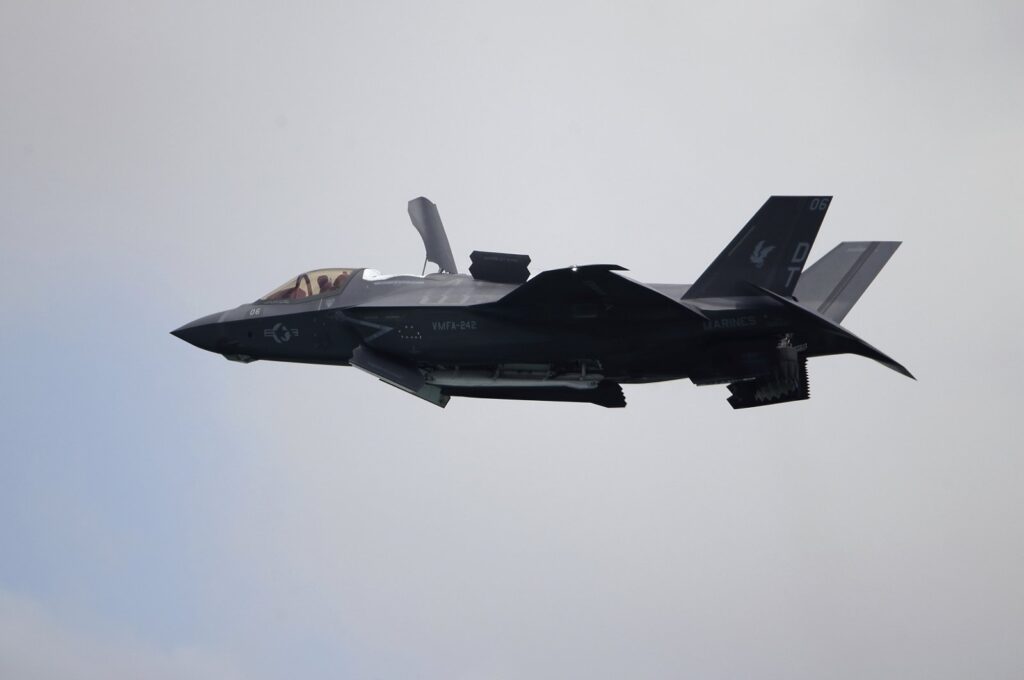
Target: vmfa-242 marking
x=452, y=325
x=750, y=321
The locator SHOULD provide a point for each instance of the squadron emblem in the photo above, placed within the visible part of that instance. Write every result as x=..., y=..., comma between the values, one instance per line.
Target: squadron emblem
x=760, y=252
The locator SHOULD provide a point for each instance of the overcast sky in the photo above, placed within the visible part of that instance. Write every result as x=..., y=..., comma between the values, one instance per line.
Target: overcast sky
x=168, y=514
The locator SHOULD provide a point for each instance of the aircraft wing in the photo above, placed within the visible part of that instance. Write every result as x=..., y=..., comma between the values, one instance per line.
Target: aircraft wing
x=598, y=286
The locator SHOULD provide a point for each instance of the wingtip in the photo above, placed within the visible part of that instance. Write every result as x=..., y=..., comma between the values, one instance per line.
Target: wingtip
x=902, y=370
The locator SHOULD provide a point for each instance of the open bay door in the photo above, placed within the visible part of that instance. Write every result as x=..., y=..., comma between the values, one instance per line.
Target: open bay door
x=427, y=221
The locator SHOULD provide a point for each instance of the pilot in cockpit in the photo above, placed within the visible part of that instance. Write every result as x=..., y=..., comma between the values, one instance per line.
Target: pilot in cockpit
x=328, y=282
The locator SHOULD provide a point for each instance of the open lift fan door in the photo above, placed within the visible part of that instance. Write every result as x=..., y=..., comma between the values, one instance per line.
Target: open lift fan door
x=499, y=267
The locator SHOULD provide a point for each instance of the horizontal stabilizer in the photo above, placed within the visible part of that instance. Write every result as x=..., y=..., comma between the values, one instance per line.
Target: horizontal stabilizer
x=594, y=286
x=838, y=339
x=770, y=251
x=832, y=285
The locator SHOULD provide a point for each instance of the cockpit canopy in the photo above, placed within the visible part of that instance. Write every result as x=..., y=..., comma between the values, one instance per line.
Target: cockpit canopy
x=310, y=284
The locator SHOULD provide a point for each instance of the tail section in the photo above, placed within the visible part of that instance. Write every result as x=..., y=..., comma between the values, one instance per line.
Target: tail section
x=831, y=338
x=769, y=252
x=833, y=284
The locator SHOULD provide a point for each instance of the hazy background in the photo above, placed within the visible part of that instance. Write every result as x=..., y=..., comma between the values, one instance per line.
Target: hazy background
x=167, y=514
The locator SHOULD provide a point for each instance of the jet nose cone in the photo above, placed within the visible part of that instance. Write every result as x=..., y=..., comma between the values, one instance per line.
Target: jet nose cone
x=205, y=333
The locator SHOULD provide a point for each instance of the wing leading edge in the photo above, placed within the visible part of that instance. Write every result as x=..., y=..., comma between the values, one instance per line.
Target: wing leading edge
x=597, y=284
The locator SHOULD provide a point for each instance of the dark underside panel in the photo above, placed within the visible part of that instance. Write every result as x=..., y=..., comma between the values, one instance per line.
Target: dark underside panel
x=607, y=394
x=787, y=383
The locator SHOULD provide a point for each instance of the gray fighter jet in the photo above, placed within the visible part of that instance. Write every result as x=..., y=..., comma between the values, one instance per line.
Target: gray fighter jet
x=750, y=321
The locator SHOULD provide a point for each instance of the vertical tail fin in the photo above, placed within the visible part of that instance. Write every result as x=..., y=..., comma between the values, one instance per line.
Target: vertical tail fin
x=769, y=252
x=833, y=284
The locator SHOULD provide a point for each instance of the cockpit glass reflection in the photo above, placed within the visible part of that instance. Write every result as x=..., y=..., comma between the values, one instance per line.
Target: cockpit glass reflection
x=310, y=284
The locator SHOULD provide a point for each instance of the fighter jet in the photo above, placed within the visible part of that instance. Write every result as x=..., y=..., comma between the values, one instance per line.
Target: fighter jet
x=577, y=334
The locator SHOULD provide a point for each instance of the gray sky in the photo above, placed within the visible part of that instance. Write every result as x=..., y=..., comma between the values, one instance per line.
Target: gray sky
x=167, y=514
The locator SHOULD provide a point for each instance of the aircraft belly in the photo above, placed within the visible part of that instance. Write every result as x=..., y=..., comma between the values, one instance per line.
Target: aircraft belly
x=459, y=336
